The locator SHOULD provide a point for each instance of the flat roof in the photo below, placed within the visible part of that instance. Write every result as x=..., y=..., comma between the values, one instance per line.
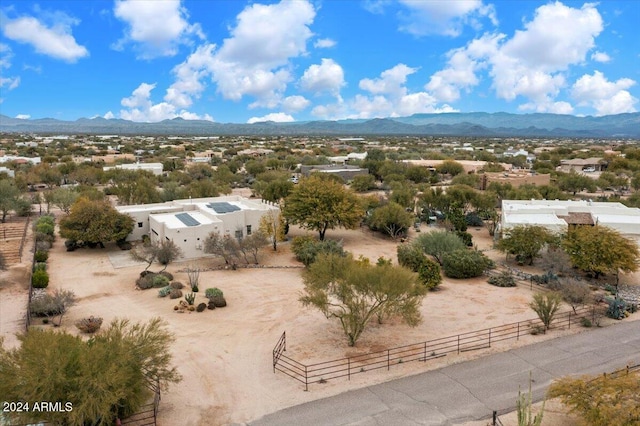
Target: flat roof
x=178, y=220
x=535, y=219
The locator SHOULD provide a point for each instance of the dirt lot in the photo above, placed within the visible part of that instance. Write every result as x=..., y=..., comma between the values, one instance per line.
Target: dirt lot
x=224, y=355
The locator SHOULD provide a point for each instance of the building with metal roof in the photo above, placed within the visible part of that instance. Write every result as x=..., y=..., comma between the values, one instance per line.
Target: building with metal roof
x=188, y=222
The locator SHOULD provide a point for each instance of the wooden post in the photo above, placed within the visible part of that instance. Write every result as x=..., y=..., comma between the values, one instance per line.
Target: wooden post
x=349, y=368
x=388, y=361
x=458, y=344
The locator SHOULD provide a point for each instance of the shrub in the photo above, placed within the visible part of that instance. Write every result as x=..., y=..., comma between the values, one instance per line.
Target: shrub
x=504, y=279
x=466, y=238
x=473, y=219
x=41, y=256
x=145, y=282
x=616, y=308
x=190, y=298
x=175, y=294
x=40, y=279
x=40, y=236
x=177, y=285
x=39, y=266
x=71, y=245
x=45, y=228
x=306, y=248
x=43, y=245
x=547, y=278
x=89, y=325
x=160, y=281
x=124, y=245
x=166, y=274
x=546, y=305
x=586, y=322
x=164, y=291
x=465, y=263
x=201, y=307
x=213, y=292
x=429, y=274
x=410, y=256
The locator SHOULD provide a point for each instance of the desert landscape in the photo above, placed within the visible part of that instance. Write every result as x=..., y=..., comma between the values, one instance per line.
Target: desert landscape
x=224, y=355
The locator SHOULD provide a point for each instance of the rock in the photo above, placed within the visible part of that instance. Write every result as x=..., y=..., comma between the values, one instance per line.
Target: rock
x=219, y=301
x=201, y=307
x=211, y=305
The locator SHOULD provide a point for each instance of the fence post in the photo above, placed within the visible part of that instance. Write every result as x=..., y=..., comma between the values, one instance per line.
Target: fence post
x=495, y=418
x=306, y=379
x=458, y=344
x=518, y=332
x=569, y=320
x=349, y=368
x=388, y=360
x=425, y=351
x=489, y=337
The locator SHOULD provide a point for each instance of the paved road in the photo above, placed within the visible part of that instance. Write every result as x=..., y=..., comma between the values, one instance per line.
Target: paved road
x=471, y=390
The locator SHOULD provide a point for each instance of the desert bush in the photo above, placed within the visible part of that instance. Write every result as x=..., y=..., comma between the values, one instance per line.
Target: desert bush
x=39, y=266
x=201, y=307
x=473, y=219
x=124, y=245
x=164, y=291
x=71, y=245
x=213, y=292
x=177, y=285
x=546, y=305
x=307, y=248
x=190, y=298
x=504, y=279
x=40, y=236
x=166, y=274
x=145, y=282
x=160, y=281
x=175, y=294
x=410, y=256
x=89, y=325
x=41, y=256
x=51, y=305
x=429, y=274
x=43, y=245
x=616, y=308
x=466, y=238
x=465, y=263
x=40, y=279
x=45, y=228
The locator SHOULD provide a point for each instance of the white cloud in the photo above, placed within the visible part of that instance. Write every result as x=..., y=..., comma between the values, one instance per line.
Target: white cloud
x=326, y=77
x=254, y=61
x=140, y=107
x=5, y=56
x=443, y=16
x=531, y=64
x=156, y=28
x=390, y=82
x=324, y=43
x=600, y=57
x=23, y=116
x=606, y=97
x=9, y=82
x=295, y=103
x=109, y=115
x=55, y=41
x=278, y=117
x=189, y=75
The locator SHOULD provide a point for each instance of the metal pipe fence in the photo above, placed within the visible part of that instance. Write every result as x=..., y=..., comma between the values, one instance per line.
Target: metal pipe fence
x=423, y=351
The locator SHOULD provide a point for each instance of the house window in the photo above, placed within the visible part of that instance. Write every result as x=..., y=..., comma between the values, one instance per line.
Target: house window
x=139, y=224
x=248, y=229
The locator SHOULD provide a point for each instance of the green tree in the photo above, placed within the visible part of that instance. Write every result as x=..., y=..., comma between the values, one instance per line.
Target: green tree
x=602, y=400
x=429, y=274
x=55, y=366
x=63, y=198
x=465, y=263
x=9, y=195
x=318, y=204
x=524, y=242
x=392, y=219
x=224, y=246
x=439, y=243
x=272, y=226
x=251, y=245
x=546, y=305
x=450, y=167
x=599, y=250
x=363, y=183
x=574, y=182
x=95, y=222
x=354, y=292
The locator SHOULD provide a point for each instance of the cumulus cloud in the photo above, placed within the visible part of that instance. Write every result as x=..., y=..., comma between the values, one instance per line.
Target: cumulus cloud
x=326, y=77
x=109, y=115
x=23, y=116
x=254, y=61
x=443, y=17
x=189, y=75
x=390, y=82
x=295, y=103
x=140, y=107
x=155, y=28
x=55, y=41
x=600, y=57
x=531, y=64
x=324, y=43
x=606, y=97
x=278, y=117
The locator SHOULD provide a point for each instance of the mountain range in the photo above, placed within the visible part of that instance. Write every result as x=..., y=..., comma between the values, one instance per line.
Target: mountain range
x=626, y=126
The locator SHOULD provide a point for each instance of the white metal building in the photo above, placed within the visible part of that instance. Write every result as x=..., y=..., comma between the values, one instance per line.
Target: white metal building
x=558, y=215
x=155, y=168
x=188, y=222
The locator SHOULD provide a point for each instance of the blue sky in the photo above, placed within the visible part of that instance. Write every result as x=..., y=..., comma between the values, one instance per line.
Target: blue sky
x=238, y=61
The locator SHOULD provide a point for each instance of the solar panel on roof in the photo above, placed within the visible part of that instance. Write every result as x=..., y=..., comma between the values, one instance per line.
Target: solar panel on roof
x=223, y=207
x=187, y=219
